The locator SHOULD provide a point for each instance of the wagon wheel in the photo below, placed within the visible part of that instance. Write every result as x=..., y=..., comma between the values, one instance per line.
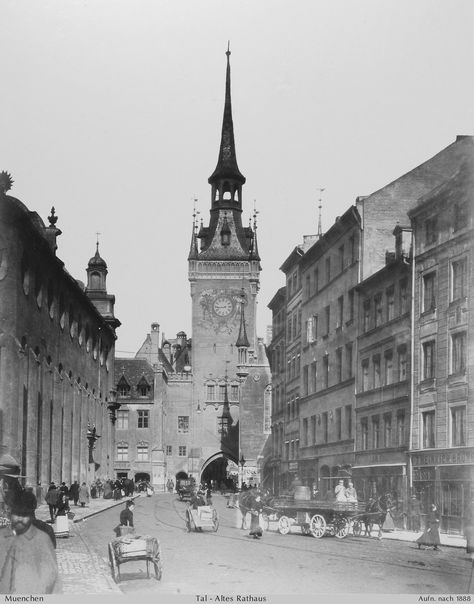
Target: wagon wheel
x=265, y=522
x=113, y=564
x=317, y=526
x=284, y=525
x=357, y=528
x=158, y=566
x=215, y=520
x=341, y=527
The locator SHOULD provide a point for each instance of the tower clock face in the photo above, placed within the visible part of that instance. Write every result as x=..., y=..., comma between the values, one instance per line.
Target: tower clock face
x=222, y=306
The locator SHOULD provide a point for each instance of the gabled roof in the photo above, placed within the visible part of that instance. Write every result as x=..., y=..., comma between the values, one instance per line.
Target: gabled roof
x=133, y=370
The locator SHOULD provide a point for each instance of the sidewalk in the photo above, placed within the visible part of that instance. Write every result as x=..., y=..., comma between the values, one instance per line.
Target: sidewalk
x=95, y=506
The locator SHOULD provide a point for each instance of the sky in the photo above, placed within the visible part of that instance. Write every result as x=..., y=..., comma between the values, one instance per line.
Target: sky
x=111, y=110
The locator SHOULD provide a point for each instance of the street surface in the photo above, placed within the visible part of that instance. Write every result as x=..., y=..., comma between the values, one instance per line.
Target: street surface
x=231, y=562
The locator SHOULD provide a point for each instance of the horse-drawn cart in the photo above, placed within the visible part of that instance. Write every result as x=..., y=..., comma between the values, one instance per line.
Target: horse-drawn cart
x=205, y=516
x=130, y=548
x=316, y=518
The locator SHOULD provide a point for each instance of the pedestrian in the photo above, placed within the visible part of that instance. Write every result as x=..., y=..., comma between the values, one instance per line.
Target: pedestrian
x=28, y=562
x=351, y=493
x=340, y=491
x=74, y=492
x=83, y=494
x=108, y=490
x=61, y=525
x=64, y=489
x=430, y=537
x=125, y=526
x=52, y=500
x=208, y=496
x=256, y=530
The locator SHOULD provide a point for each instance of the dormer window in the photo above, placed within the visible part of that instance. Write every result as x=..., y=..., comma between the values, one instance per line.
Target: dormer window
x=143, y=388
x=123, y=387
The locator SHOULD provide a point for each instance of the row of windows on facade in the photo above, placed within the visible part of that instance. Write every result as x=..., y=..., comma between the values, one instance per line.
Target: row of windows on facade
x=457, y=427
x=381, y=309
x=143, y=419
x=382, y=436
x=459, y=221
x=315, y=430
x=83, y=333
x=216, y=392
x=143, y=452
x=379, y=370
x=457, y=290
x=345, y=256
x=457, y=356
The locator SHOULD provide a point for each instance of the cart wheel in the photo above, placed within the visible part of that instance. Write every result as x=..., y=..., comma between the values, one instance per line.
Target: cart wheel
x=189, y=521
x=265, y=522
x=284, y=525
x=215, y=520
x=357, y=528
x=317, y=526
x=158, y=565
x=341, y=527
x=113, y=564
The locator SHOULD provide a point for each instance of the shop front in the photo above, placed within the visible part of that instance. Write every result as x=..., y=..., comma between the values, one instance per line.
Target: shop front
x=446, y=478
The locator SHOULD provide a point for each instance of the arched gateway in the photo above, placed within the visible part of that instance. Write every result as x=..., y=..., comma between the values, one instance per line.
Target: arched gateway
x=219, y=468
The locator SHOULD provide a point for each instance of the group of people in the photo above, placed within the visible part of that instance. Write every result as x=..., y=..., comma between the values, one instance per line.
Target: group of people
x=58, y=497
x=345, y=494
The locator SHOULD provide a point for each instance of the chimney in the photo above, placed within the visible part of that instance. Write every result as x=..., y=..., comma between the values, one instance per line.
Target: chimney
x=155, y=343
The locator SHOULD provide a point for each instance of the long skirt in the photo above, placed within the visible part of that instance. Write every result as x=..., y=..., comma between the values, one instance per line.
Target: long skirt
x=255, y=528
x=430, y=536
x=61, y=526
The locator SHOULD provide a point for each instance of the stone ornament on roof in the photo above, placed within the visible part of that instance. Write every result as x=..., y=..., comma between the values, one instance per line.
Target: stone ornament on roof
x=6, y=182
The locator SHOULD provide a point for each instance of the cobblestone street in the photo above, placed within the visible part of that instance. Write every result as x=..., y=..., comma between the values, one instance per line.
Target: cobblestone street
x=82, y=570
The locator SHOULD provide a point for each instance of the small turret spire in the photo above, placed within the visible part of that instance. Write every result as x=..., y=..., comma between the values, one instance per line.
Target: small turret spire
x=242, y=340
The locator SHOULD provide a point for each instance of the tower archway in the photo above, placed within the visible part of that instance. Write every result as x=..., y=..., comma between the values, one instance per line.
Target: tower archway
x=216, y=470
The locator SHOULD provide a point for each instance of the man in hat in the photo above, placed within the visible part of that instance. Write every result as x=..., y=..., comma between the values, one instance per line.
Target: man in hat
x=27, y=558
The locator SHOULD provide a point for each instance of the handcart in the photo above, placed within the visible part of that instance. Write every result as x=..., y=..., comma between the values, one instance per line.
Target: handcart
x=316, y=518
x=205, y=516
x=135, y=548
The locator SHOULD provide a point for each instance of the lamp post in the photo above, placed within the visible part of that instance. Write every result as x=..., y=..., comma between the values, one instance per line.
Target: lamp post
x=242, y=461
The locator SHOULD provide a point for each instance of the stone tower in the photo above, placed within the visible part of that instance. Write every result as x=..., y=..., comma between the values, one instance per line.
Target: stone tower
x=224, y=273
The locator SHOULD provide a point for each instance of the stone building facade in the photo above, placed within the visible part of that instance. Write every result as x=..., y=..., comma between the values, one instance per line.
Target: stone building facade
x=330, y=272
x=57, y=341
x=383, y=369
x=352, y=262
x=442, y=451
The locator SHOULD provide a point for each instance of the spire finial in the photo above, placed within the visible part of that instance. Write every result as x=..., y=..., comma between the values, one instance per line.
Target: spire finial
x=52, y=217
x=320, y=205
x=228, y=53
x=196, y=212
x=255, y=214
x=97, y=241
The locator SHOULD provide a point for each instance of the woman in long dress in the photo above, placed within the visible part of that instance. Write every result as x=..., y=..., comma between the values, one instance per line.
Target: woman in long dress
x=431, y=535
x=257, y=508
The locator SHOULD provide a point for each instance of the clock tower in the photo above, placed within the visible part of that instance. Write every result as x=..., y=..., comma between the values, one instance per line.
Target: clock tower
x=224, y=273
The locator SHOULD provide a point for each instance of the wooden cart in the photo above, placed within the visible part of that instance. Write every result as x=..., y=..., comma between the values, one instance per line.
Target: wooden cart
x=316, y=518
x=131, y=548
x=205, y=516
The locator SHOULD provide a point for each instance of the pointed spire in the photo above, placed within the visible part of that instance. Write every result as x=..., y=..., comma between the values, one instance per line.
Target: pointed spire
x=227, y=161
x=242, y=340
x=96, y=260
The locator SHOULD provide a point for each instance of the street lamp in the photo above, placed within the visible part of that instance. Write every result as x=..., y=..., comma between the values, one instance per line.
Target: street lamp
x=113, y=406
x=242, y=461
x=92, y=437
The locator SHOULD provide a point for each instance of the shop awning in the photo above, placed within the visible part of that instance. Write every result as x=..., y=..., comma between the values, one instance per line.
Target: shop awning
x=381, y=465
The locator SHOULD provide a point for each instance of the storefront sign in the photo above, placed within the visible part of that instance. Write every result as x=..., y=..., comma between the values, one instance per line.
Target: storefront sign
x=293, y=466
x=445, y=457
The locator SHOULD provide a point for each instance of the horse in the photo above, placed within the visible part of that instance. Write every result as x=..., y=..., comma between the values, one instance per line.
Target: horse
x=375, y=513
x=245, y=501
